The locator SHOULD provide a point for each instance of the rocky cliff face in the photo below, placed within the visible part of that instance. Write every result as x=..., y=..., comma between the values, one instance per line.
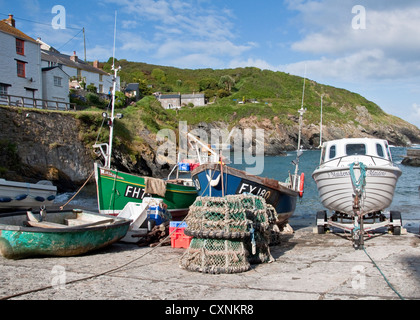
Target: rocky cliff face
x=36, y=145
x=279, y=137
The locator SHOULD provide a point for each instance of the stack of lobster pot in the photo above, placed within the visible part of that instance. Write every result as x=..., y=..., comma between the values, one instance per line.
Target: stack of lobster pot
x=229, y=233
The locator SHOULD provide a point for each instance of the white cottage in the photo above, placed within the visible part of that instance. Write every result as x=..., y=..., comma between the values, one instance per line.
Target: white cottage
x=78, y=70
x=20, y=63
x=55, y=84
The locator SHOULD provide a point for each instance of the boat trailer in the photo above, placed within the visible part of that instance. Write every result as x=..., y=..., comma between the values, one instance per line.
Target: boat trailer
x=357, y=226
x=359, y=223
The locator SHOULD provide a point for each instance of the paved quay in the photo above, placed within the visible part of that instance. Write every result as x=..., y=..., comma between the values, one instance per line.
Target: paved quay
x=308, y=266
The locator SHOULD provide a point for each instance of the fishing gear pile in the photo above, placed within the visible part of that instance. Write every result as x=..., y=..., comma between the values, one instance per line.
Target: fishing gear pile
x=229, y=233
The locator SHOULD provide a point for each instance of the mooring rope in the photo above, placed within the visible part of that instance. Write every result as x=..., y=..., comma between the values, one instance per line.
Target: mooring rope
x=385, y=278
x=71, y=199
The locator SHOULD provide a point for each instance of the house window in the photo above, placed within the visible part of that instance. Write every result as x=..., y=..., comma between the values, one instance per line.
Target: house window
x=101, y=88
x=57, y=81
x=21, y=69
x=101, y=78
x=3, y=90
x=20, y=47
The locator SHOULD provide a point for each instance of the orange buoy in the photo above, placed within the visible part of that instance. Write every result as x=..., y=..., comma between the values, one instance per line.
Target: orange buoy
x=301, y=184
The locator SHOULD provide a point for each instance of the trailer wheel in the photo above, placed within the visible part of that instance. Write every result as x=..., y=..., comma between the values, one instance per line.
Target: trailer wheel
x=395, y=216
x=321, y=219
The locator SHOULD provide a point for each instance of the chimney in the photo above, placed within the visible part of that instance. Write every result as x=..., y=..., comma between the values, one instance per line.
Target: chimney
x=10, y=21
x=96, y=64
x=73, y=57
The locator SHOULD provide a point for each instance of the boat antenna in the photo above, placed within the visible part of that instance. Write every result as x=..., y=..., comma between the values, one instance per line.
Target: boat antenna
x=299, y=151
x=320, y=131
x=112, y=118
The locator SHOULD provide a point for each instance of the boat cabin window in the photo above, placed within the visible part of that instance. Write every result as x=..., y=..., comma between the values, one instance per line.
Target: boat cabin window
x=356, y=149
x=380, y=150
x=333, y=152
x=323, y=151
x=388, y=152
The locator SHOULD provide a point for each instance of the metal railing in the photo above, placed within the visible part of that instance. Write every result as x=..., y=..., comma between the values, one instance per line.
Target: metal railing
x=19, y=101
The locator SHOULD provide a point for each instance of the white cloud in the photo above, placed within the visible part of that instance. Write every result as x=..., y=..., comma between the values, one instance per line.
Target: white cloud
x=186, y=31
x=416, y=111
x=366, y=65
x=389, y=47
x=134, y=42
x=257, y=63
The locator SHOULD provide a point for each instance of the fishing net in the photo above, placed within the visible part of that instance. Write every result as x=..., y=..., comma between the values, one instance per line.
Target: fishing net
x=216, y=256
x=231, y=217
x=229, y=233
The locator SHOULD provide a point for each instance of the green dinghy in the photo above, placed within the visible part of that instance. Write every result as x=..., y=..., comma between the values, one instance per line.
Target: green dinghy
x=62, y=233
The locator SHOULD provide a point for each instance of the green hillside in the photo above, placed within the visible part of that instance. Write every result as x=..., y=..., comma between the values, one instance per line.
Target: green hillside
x=260, y=98
x=278, y=94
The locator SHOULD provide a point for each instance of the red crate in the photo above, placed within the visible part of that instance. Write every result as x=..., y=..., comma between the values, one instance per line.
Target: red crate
x=180, y=240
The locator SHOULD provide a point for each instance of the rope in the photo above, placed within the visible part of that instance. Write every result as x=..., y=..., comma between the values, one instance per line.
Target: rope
x=359, y=184
x=71, y=199
x=386, y=280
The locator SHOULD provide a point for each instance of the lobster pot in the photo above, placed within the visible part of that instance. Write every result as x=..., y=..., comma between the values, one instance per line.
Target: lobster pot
x=227, y=231
x=215, y=256
x=231, y=217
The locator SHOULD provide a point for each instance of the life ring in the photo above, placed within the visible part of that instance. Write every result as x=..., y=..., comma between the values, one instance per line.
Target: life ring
x=301, y=184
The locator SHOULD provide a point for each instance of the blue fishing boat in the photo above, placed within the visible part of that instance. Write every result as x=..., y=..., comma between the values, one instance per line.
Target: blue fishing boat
x=219, y=180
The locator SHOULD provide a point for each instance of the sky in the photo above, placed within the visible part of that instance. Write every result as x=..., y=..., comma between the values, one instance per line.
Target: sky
x=370, y=47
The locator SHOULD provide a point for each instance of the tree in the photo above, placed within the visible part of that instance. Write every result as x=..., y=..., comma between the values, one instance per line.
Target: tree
x=208, y=83
x=144, y=89
x=226, y=82
x=159, y=75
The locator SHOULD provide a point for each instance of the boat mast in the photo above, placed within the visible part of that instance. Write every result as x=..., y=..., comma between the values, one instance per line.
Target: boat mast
x=114, y=88
x=320, y=135
x=299, y=152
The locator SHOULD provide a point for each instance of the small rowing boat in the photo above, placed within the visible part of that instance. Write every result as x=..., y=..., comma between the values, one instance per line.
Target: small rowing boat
x=61, y=233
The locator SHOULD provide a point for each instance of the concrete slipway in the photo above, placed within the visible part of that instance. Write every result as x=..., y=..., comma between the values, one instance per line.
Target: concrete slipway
x=308, y=266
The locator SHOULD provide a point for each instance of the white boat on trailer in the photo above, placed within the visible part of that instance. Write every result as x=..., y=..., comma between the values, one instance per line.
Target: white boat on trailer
x=356, y=179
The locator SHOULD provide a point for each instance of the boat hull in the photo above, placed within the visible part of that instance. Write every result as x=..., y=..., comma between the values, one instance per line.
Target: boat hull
x=115, y=189
x=20, y=195
x=335, y=188
x=208, y=181
x=18, y=241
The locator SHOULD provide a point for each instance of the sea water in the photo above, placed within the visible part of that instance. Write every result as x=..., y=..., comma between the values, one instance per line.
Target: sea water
x=406, y=198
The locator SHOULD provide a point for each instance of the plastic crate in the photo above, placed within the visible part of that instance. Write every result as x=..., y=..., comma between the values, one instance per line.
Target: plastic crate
x=184, y=167
x=178, y=238
x=157, y=214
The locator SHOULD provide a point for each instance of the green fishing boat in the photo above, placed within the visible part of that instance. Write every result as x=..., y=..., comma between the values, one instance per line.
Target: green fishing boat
x=115, y=189
x=61, y=233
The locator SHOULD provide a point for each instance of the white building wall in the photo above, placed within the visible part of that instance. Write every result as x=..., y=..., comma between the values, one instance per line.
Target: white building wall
x=8, y=67
x=53, y=92
x=91, y=77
